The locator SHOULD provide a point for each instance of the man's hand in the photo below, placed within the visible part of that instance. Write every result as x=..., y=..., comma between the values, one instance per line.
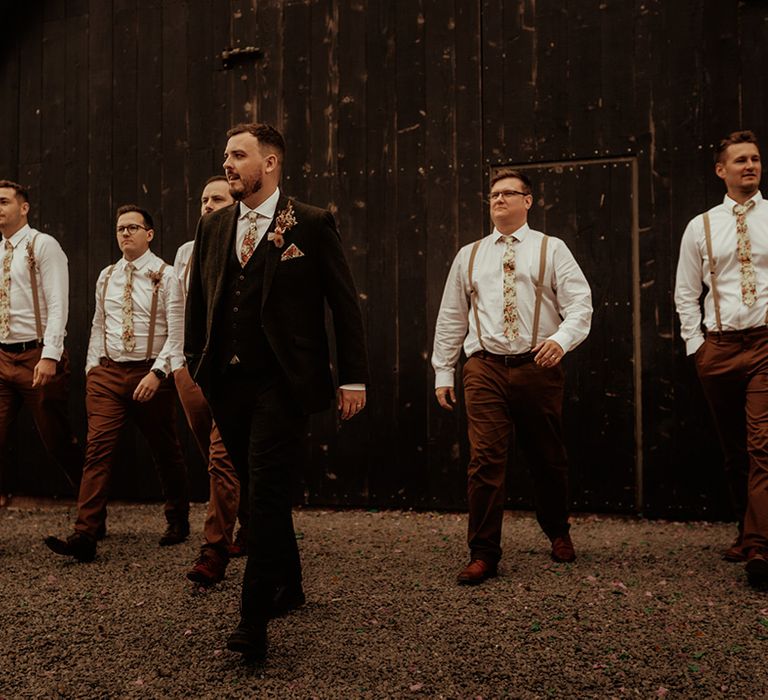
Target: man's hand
x=548, y=353
x=446, y=397
x=147, y=388
x=44, y=371
x=350, y=402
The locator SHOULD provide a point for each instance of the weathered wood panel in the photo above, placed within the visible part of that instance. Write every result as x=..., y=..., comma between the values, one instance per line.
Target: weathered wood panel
x=394, y=115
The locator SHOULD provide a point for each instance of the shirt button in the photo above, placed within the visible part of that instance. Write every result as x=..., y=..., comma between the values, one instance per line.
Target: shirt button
x=242, y=278
x=235, y=309
x=237, y=293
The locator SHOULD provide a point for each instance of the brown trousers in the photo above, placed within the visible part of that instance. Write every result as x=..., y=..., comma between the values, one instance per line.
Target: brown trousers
x=49, y=408
x=527, y=399
x=224, y=500
x=109, y=401
x=733, y=369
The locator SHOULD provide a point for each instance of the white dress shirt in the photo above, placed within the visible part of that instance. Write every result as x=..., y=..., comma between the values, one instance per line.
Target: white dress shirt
x=165, y=348
x=266, y=212
x=566, y=304
x=181, y=264
x=693, y=272
x=53, y=291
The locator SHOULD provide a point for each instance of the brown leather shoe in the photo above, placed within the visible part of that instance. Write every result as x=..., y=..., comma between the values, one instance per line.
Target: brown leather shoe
x=239, y=548
x=77, y=545
x=562, y=549
x=476, y=572
x=175, y=533
x=735, y=553
x=757, y=568
x=209, y=567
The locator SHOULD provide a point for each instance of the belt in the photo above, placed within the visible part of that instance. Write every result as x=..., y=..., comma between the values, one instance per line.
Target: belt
x=106, y=362
x=757, y=331
x=21, y=347
x=507, y=360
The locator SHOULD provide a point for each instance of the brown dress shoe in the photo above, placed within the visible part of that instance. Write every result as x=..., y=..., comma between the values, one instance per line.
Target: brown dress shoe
x=562, y=549
x=735, y=553
x=77, y=545
x=757, y=568
x=175, y=533
x=209, y=567
x=476, y=572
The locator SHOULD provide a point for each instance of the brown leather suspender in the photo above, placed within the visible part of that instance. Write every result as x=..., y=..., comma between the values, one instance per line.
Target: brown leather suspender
x=712, y=272
x=32, y=263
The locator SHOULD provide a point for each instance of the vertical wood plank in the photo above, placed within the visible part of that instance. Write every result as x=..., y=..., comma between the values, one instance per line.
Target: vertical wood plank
x=382, y=246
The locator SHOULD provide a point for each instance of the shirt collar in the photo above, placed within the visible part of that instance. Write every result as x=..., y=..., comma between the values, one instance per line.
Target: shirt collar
x=265, y=209
x=19, y=236
x=140, y=262
x=518, y=235
x=730, y=203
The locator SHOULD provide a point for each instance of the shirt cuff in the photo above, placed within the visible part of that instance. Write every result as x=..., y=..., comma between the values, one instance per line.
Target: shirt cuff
x=51, y=353
x=562, y=339
x=353, y=387
x=444, y=377
x=693, y=344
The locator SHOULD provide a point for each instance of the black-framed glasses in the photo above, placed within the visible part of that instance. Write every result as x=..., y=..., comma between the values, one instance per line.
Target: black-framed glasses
x=506, y=194
x=131, y=228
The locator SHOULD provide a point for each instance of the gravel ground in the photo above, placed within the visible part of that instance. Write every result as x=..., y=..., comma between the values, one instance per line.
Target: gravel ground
x=648, y=610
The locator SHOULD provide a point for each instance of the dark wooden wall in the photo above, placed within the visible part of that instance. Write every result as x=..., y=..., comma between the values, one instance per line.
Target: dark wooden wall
x=394, y=114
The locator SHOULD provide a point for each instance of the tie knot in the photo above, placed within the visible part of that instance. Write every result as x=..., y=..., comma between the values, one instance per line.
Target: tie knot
x=130, y=267
x=8, y=245
x=740, y=209
x=253, y=216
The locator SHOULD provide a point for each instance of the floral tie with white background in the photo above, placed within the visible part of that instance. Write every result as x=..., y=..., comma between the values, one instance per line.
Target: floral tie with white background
x=129, y=338
x=5, y=293
x=511, y=329
x=744, y=247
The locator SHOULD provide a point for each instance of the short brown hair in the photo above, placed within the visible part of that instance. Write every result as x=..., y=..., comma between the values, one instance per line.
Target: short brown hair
x=128, y=208
x=215, y=178
x=732, y=139
x=267, y=135
x=503, y=173
x=21, y=192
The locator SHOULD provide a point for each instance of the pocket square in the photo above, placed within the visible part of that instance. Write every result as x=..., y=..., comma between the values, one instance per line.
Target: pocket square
x=291, y=252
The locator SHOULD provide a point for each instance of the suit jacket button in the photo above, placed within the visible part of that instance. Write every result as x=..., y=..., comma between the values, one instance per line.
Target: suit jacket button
x=235, y=309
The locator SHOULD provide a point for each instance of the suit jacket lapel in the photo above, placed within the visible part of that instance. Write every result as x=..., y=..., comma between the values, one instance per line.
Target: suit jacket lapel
x=222, y=244
x=273, y=252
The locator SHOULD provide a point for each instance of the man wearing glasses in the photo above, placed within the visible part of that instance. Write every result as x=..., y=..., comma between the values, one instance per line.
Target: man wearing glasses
x=517, y=301
x=127, y=365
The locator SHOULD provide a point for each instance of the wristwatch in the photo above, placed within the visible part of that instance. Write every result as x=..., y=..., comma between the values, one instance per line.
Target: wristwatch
x=159, y=374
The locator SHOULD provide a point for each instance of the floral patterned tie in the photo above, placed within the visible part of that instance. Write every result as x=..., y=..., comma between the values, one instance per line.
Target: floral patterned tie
x=5, y=293
x=129, y=338
x=748, y=286
x=511, y=329
x=249, y=242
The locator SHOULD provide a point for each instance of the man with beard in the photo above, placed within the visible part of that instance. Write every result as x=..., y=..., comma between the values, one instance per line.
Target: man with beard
x=256, y=343
x=517, y=301
x=726, y=249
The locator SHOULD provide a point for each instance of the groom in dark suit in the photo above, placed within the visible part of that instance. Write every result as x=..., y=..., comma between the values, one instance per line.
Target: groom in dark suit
x=255, y=341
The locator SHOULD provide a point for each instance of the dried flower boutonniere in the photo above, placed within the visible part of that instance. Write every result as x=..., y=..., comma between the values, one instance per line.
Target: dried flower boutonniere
x=285, y=221
x=156, y=276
